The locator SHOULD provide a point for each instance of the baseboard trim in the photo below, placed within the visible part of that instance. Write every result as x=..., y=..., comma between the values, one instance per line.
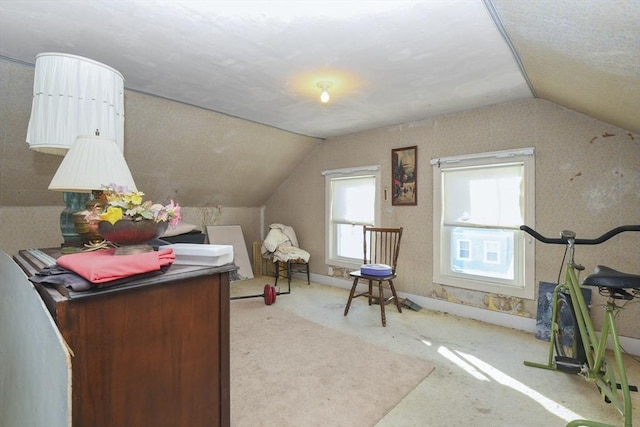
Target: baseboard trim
x=630, y=345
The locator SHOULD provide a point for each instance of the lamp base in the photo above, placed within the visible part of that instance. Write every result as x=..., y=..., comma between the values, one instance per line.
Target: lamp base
x=73, y=242
x=86, y=221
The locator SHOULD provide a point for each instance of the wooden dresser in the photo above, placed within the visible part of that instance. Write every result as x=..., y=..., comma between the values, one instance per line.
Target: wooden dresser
x=149, y=352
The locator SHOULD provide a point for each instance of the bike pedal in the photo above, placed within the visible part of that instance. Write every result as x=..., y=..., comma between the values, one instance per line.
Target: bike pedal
x=631, y=387
x=568, y=364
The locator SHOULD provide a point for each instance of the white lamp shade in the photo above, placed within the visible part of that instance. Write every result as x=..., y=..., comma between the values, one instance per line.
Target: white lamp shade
x=74, y=96
x=91, y=163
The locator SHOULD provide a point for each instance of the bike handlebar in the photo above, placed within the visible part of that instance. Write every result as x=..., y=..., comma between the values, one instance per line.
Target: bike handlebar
x=564, y=240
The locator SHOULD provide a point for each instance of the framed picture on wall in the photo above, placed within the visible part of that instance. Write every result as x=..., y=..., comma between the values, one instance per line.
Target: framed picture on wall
x=404, y=176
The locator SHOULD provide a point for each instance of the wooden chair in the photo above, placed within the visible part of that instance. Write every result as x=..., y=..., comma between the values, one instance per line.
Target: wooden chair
x=381, y=246
x=286, y=269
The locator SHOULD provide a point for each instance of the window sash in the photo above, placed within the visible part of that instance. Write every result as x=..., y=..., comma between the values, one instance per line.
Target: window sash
x=486, y=196
x=351, y=201
x=481, y=185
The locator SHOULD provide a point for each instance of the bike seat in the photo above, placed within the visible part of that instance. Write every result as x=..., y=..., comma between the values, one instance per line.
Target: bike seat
x=606, y=277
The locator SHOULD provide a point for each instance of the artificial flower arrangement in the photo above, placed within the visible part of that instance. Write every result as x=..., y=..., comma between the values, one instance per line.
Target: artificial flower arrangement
x=123, y=203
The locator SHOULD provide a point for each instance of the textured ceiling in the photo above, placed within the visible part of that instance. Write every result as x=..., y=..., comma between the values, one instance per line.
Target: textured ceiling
x=390, y=62
x=581, y=54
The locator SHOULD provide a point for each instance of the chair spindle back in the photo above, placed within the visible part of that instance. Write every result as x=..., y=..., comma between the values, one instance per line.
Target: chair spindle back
x=382, y=245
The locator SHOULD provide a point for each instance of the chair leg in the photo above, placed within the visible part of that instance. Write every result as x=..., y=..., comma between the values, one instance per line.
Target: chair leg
x=277, y=273
x=289, y=273
x=370, y=294
x=395, y=296
x=308, y=280
x=353, y=291
x=381, y=302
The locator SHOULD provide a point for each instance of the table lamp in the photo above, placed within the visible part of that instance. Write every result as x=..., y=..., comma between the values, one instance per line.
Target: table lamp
x=91, y=163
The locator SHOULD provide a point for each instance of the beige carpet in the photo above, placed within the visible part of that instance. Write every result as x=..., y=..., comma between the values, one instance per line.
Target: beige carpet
x=288, y=371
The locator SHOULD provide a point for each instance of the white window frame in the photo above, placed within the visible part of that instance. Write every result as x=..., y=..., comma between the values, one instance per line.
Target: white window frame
x=523, y=286
x=330, y=239
x=491, y=247
x=468, y=249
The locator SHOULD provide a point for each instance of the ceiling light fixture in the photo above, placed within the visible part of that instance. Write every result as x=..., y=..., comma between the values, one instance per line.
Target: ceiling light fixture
x=324, y=96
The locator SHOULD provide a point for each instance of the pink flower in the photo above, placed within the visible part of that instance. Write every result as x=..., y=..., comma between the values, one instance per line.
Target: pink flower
x=129, y=204
x=173, y=211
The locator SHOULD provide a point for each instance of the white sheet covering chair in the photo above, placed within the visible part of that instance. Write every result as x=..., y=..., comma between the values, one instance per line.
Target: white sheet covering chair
x=281, y=246
x=381, y=247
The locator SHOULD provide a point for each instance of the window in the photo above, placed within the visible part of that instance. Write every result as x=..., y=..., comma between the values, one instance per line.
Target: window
x=351, y=202
x=479, y=203
x=491, y=252
x=464, y=249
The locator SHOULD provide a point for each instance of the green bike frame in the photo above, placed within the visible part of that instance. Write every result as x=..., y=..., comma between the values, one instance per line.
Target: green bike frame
x=597, y=369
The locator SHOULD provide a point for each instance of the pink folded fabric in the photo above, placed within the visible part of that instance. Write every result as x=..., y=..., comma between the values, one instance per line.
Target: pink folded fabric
x=103, y=266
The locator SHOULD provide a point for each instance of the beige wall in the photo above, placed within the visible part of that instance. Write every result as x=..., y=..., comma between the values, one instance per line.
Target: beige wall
x=174, y=150
x=587, y=179
x=194, y=156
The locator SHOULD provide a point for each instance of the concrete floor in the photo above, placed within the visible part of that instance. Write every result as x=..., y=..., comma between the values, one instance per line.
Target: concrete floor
x=479, y=377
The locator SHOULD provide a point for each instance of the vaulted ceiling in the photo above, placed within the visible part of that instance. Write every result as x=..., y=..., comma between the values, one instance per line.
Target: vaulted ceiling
x=389, y=62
